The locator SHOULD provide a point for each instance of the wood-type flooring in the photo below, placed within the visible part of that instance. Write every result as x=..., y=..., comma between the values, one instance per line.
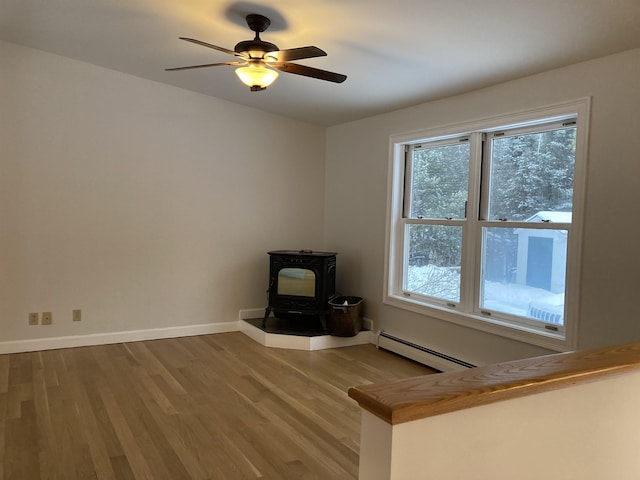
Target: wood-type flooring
x=207, y=407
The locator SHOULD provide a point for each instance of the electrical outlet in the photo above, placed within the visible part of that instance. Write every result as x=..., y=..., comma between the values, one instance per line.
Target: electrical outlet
x=47, y=318
x=77, y=315
x=33, y=319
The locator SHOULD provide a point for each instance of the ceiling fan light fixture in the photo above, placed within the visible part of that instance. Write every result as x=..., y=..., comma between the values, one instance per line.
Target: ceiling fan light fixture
x=256, y=77
x=259, y=60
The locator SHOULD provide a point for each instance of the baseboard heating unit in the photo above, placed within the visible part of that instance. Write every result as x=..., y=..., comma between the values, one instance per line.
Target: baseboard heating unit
x=426, y=356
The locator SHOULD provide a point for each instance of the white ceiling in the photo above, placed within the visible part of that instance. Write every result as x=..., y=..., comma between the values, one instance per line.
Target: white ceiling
x=395, y=53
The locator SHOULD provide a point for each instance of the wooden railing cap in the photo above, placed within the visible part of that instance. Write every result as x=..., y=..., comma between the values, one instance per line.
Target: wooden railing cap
x=429, y=395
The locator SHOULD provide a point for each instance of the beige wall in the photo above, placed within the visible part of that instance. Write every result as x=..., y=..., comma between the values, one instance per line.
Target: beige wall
x=357, y=168
x=587, y=431
x=144, y=205
x=148, y=206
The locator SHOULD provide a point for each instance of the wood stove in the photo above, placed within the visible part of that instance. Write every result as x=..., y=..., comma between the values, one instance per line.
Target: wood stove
x=300, y=283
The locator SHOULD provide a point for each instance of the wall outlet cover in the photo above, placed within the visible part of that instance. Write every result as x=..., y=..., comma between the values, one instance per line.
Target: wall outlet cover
x=33, y=319
x=47, y=318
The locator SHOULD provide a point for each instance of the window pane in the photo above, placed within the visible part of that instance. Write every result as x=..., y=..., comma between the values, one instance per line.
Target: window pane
x=434, y=261
x=532, y=174
x=523, y=272
x=439, y=181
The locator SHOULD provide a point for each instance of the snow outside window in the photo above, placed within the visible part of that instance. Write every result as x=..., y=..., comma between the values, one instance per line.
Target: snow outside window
x=484, y=224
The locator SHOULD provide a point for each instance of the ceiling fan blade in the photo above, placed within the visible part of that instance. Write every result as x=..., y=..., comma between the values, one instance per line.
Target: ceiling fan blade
x=204, y=66
x=298, y=53
x=310, y=72
x=209, y=45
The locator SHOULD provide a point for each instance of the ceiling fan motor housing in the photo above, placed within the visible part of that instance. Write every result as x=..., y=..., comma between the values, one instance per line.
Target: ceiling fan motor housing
x=257, y=23
x=255, y=45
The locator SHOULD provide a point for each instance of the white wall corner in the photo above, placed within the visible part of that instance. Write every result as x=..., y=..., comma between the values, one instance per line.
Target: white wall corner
x=251, y=313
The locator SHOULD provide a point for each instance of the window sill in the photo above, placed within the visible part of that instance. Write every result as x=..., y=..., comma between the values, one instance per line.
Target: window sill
x=551, y=340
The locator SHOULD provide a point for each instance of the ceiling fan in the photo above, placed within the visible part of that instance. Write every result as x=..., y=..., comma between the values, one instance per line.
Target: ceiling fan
x=258, y=61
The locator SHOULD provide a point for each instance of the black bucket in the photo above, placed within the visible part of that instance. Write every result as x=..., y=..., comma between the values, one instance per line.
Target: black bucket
x=345, y=316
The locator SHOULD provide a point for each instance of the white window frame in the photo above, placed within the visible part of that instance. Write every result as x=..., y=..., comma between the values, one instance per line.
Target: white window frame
x=463, y=314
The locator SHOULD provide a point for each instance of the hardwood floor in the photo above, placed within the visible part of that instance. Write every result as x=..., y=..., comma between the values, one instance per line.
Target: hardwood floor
x=209, y=407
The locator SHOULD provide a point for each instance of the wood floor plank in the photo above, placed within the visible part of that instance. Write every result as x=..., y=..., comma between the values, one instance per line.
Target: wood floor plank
x=137, y=461
x=205, y=407
x=4, y=373
x=21, y=454
x=138, y=421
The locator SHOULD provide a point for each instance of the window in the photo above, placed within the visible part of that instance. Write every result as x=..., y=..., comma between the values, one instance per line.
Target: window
x=484, y=227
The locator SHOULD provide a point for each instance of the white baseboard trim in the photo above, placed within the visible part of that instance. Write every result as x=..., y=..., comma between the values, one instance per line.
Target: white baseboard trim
x=295, y=342
x=268, y=340
x=54, y=343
